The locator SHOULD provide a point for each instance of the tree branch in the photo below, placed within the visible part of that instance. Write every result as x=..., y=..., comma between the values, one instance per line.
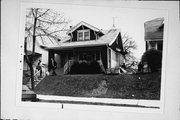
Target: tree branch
x=51, y=22
x=32, y=12
x=43, y=13
x=48, y=34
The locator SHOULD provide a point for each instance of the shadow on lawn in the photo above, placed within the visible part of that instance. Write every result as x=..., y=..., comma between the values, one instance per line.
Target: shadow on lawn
x=135, y=86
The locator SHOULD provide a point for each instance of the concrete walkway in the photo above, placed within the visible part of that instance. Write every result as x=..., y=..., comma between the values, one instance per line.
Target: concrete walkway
x=133, y=102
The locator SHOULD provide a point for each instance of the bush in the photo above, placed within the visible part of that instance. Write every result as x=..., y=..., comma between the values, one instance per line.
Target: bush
x=74, y=68
x=85, y=68
x=94, y=67
x=153, y=58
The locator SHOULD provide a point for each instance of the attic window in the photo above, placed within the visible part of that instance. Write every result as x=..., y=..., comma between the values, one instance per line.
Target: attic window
x=83, y=35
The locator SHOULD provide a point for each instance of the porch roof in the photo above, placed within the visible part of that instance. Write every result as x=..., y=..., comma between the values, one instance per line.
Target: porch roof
x=106, y=39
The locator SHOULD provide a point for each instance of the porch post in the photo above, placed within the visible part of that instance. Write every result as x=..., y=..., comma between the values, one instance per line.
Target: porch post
x=95, y=55
x=75, y=54
x=51, y=55
x=109, y=57
x=100, y=55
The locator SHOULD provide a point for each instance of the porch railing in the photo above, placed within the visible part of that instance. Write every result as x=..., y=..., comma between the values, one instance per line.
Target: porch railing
x=67, y=66
x=102, y=66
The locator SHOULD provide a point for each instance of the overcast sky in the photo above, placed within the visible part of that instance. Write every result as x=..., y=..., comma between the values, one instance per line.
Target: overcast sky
x=129, y=20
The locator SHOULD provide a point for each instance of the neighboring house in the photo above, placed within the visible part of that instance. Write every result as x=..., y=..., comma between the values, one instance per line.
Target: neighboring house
x=40, y=52
x=154, y=30
x=154, y=34
x=87, y=43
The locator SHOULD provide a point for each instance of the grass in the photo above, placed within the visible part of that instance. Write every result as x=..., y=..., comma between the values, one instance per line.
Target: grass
x=139, y=86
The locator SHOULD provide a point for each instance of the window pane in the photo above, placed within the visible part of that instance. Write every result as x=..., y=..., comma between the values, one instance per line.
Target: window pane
x=86, y=36
x=80, y=36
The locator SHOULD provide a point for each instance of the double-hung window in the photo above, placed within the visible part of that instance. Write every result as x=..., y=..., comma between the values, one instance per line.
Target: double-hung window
x=83, y=35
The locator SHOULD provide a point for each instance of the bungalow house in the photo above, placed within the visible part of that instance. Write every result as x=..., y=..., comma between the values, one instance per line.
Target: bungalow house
x=87, y=43
x=154, y=34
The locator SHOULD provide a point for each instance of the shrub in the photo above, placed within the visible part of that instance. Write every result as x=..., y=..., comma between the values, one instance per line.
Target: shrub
x=94, y=67
x=85, y=68
x=74, y=68
x=153, y=58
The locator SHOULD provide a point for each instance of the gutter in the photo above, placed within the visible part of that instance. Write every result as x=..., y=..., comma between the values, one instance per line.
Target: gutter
x=72, y=47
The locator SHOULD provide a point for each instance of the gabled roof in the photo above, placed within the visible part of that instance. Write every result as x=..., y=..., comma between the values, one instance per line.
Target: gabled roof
x=85, y=24
x=154, y=29
x=106, y=39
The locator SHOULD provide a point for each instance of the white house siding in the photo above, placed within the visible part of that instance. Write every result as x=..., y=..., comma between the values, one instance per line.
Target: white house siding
x=117, y=59
x=113, y=59
x=121, y=59
x=43, y=54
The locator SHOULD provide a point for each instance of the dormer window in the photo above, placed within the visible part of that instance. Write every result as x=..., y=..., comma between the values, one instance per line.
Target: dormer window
x=83, y=35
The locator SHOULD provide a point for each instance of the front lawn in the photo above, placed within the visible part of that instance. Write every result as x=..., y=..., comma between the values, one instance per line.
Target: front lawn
x=139, y=86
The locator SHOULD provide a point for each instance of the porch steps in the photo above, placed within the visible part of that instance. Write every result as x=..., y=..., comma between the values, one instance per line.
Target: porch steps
x=67, y=66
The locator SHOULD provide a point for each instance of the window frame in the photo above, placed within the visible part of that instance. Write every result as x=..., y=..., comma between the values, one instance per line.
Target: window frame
x=83, y=32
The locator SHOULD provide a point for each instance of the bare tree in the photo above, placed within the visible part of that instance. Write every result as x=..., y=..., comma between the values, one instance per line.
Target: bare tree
x=43, y=24
x=128, y=46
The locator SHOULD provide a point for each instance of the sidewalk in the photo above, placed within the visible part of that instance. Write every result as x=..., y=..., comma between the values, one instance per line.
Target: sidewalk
x=118, y=102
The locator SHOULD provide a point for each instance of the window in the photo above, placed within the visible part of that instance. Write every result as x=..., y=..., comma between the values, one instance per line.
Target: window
x=83, y=35
x=80, y=36
x=86, y=35
x=152, y=45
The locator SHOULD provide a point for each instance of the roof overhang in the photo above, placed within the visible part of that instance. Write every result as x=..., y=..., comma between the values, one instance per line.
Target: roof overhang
x=160, y=39
x=114, y=38
x=72, y=47
x=85, y=24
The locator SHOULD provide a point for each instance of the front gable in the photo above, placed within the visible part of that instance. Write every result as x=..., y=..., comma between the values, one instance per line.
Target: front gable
x=83, y=32
x=117, y=44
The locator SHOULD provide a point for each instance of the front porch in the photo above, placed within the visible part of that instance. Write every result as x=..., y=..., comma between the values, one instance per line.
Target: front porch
x=65, y=57
x=109, y=60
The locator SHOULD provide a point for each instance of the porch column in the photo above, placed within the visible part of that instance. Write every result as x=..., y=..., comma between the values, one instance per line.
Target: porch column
x=51, y=55
x=95, y=55
x=75, y=54
x=100, y=55
x=108, y=58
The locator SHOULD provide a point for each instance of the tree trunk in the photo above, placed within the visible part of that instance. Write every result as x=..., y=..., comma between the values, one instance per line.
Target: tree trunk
x=32, y=76
x=30, y=58
x=33, y=53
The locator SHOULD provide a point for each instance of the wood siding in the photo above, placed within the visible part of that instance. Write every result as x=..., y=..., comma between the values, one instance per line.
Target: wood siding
x=92, y=33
